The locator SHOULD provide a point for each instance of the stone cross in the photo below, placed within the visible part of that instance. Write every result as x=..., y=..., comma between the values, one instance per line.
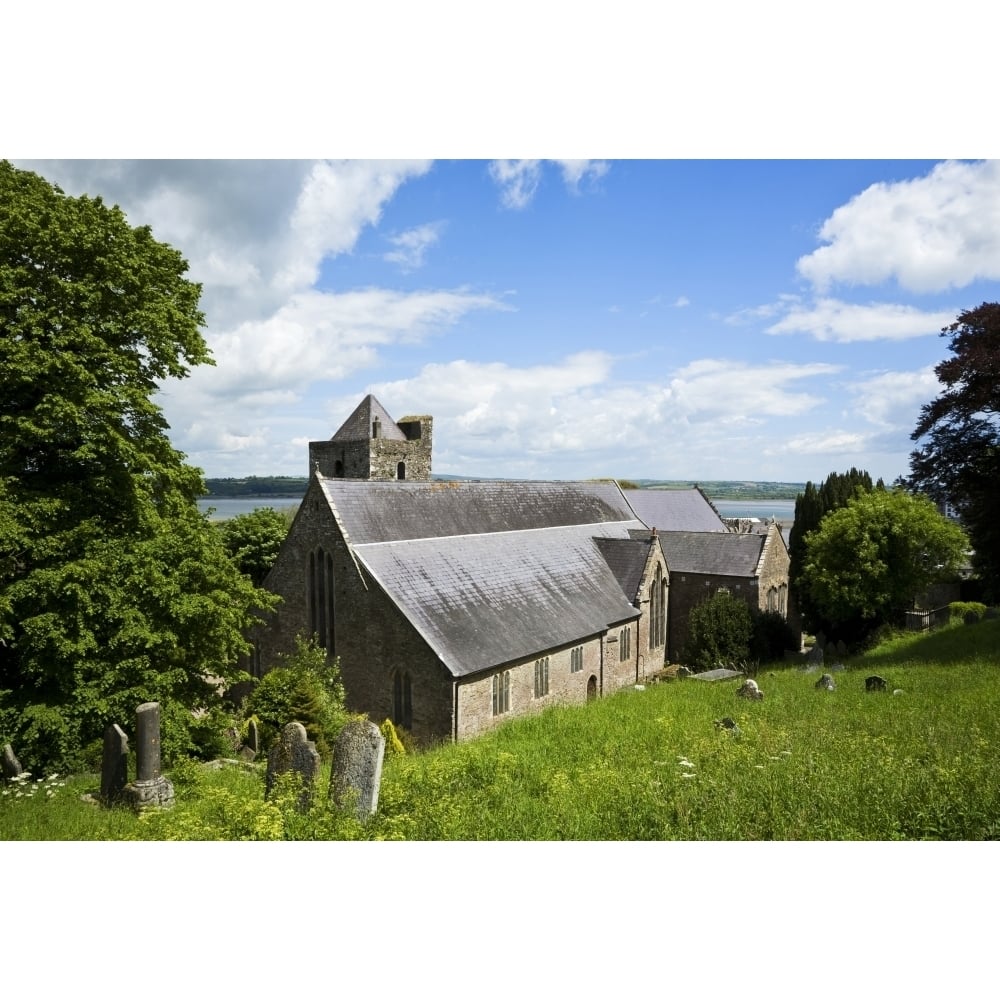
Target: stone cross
x=294, y=752
x=150, y=788
x=357, y=766
x=10, y=764
x=114, y=764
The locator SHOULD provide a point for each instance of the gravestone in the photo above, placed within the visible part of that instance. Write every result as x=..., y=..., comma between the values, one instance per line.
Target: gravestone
x=749, y=690
x=253, y=736
x=718, y=674
x=114, y=764
x=10, y=764
x=815, y=656
x=728, y=725
x=293, y=753
x=825, y=683
x=683, y=671
x=357, y=766
x=876, y=683
x=150, y=789
x=841, y=648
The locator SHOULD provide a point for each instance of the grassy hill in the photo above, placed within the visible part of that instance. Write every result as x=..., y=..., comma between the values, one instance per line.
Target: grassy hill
x=651, y=765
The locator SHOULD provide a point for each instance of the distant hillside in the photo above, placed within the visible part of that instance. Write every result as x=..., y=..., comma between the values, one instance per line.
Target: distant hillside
x=718, y=489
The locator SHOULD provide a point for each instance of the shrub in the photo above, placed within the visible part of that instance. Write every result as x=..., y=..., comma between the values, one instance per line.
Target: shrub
x=957, y=610
x=302, y=687
x=719, y=632
x=393, y=744
x=771, y=636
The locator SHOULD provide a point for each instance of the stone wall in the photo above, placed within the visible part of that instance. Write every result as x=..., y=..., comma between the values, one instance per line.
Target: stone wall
x=378, y=458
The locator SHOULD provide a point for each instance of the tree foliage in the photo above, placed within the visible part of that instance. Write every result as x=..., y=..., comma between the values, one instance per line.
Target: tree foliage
x=868, y=560
x=811, y=507
x=114, y=590
x=254, y=539
x=719, y=632
x=958, y=460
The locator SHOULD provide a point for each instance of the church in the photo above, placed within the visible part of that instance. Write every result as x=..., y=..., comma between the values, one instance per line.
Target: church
x=454, y=606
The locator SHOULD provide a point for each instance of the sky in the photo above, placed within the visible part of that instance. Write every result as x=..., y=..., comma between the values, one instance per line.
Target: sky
x=567, y=319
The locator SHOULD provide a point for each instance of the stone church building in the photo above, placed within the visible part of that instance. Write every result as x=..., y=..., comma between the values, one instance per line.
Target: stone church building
x=454, y=606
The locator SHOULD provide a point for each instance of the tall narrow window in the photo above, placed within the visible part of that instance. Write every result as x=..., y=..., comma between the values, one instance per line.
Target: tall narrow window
x=657, y=610
x=319, y=597
x=501, y=692
x=541, y=677
x=576, y=660
x=401, y=470
x=625, y=644
x=402, y=699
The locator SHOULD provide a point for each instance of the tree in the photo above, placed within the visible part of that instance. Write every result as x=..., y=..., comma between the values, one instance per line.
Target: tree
x=868, y=561
x=959, y=459
x=253, y=540
x=113, y=588
x=811, y=507
x=719, y=632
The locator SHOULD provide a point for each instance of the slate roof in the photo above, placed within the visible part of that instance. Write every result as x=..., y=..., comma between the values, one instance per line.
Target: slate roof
x=675, y=510
x=483, y=600
x=626, y=558
x=358, y=426
x=393, y=511
x=719, y=553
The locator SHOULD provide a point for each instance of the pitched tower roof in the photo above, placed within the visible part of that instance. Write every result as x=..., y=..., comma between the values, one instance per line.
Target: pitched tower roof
x=358, y=426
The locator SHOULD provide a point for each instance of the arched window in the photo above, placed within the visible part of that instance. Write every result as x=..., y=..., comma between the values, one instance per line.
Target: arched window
x=658, y=610
x=501, y=692
x=319, y=597
x=402, y=699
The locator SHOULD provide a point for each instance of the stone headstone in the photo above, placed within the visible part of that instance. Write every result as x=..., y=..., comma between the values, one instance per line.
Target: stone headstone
x=876, y=683
x=825, y=683
x=841, y=648
x=253, y=736
x=114, y=764
x=9, y=763
x=718, y=674
x=728, y=725
x=357, y=766
x=749, y=690
x=815, y=656
x=293, y=753
x=837, y=666
x=150, y=789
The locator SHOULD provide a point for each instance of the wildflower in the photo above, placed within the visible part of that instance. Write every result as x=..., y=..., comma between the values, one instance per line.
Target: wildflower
x=760, y=767
x=688, y=774
x=685, y=763
x=49, y=792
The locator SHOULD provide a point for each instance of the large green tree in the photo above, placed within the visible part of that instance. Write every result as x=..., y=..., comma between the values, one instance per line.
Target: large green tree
x=811, y=506
x=113, y=588
x=958, y=461
x=868, y=560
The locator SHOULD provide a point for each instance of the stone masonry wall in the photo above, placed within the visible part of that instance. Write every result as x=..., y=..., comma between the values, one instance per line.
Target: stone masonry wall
x=687, y=591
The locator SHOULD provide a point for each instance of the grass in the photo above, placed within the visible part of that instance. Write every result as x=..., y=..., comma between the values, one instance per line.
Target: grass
x=649, y=765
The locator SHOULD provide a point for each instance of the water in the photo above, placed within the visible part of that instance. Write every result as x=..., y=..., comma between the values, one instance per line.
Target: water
x=227, y=507
x=781, y=510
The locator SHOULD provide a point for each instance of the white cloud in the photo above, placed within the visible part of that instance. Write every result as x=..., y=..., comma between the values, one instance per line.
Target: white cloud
x=932, y=233
x=412, y=245
x=519, y=179
x=847, y=322
x=549, y=421
x=892, y=400
x=575, y=171
x=681, y=302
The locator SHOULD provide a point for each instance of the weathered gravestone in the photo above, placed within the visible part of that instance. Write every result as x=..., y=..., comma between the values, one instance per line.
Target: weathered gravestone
x=150, y=788
x=253, y=736
x=815, y=657
x=114, y=764
x=825, y=683
x=10, y=764
x=727, y=725
x=876, y=683
x=749, y=690
x=293, y=753
x=357, y=766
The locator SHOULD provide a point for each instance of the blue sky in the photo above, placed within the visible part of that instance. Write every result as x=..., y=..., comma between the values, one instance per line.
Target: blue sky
x=674, y=319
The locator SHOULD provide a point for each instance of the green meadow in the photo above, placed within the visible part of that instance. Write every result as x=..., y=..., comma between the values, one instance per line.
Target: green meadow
x=918, y=761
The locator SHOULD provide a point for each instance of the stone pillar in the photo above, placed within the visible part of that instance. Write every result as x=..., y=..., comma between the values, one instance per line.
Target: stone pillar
x=149, y=788
x=147, y=741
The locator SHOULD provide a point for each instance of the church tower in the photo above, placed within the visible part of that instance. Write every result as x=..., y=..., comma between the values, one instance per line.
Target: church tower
x=371, y=445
